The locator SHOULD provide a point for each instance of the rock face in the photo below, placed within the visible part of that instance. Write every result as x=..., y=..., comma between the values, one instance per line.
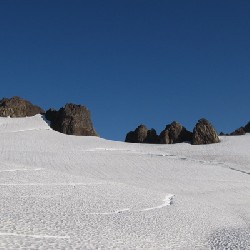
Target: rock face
x=18, y=107
x=71, y=120
x=142, y=135
x=204, y=133
x=175, y=133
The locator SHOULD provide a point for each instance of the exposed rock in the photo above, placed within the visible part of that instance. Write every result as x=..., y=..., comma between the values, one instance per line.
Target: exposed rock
x=72, y=120
x=204, y=133
x=142, y=135
x=130, y=137
x=152, y=137
x=247, y=128
x=164, y=137
x=18, y=107
x=224, y=134
x=239, y=131
x=51, y=115
x=137, y=136
x=175, y=133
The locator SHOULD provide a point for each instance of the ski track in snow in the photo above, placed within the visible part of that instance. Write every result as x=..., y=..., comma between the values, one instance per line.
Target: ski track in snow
x=238, y=170
x=34, y=236
x=173, y=156
x=167, y=202
x=50, y=184
x=26, y=130
x=19, y=169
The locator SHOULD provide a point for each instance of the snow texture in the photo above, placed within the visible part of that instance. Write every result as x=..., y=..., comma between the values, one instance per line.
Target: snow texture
x=67, y=192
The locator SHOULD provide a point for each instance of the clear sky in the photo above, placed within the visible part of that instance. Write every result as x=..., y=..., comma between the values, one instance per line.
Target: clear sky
x=130, y=61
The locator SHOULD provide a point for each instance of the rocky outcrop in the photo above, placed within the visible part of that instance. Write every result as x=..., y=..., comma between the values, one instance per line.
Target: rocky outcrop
x=142, y=135
x=247, y=128
x=222, y=134
x=175, y=133
x=204, y=133
x=18, y=107
x=139, y=135
x=239, y=131
x=130, y=137
x=152, y=137
x=71, y=120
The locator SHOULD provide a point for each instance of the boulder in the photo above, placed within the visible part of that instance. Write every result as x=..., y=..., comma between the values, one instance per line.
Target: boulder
x=204, y=133
x=18, y=107
x=142, y=135
x=175, y=133
x=72, y=119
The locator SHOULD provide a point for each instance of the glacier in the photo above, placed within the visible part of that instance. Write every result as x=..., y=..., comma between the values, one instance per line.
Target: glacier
x=70, y=192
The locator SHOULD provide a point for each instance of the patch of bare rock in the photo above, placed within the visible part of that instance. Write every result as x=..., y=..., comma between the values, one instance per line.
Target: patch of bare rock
x=203, y=133
x=142, y=135
x=18, y=107
x=240, y=131
x=175, y=133
x=72, y=119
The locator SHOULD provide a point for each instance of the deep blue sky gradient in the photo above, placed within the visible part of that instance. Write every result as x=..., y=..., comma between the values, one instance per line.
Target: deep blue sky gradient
x=130, y=61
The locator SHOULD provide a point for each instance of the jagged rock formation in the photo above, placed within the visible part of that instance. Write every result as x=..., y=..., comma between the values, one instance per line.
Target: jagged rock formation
x=18, y=107
x=222, y=134
x=139, y=135
x=247, y=128
x=204, y=133
x=239, y=131
x=142, y=135
x=175, y=133
x=72, y=120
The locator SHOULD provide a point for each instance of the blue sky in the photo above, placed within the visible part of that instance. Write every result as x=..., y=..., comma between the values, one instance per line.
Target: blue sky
x=130, y=61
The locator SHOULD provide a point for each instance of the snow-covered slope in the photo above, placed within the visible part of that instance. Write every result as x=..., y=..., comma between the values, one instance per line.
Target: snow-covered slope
x=68, y=192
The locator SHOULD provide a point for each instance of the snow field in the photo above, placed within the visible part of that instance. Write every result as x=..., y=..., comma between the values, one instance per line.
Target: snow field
x=67, y=192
